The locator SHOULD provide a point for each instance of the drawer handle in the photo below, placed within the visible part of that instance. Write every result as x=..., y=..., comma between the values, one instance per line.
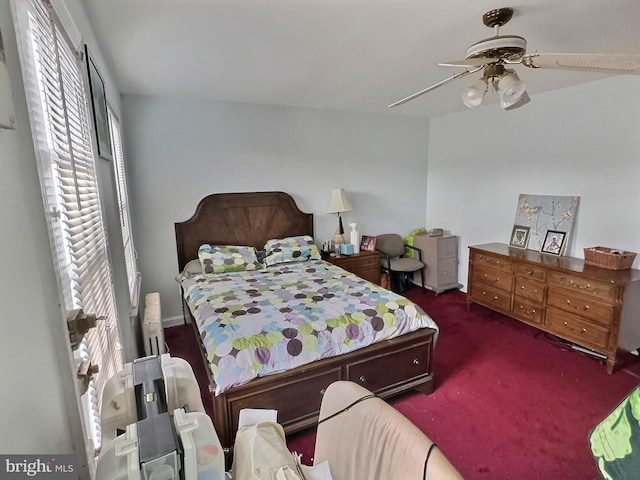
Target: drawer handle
x=529, y=272
x=494, y=280
x=528, y=312
x=416, y=361
x=579, y=286
x=535, y=290
x=585, y=308
x=583, y=330
x=362, y=379
x=488, y=260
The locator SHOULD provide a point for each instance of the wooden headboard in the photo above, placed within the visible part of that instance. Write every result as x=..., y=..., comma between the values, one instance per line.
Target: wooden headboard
x=240, y=219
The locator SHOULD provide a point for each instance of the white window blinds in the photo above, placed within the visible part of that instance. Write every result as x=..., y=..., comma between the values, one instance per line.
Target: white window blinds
x=59, y=114
x=123, y=206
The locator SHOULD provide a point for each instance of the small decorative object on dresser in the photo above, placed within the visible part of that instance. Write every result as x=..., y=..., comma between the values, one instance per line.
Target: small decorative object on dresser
x=368, y=243
x=554, y=242
x=594, y=308
x=609, y=258
x=519, y=236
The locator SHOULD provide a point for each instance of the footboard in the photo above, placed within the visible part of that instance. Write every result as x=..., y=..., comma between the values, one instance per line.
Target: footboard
x=386, y=368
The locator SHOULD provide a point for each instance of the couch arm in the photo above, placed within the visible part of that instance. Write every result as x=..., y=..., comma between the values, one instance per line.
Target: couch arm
x=372, y=440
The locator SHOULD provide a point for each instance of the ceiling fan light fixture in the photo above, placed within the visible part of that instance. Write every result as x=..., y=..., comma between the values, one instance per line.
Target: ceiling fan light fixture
x=524, y=99
x=510, y=88
x=472, y=96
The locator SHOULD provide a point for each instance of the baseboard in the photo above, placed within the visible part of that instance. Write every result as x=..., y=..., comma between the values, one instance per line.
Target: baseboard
x=172, y=321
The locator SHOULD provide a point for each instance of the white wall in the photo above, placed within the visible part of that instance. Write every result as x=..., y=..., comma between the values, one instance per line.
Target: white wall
x=182, y=150
x=579, y=141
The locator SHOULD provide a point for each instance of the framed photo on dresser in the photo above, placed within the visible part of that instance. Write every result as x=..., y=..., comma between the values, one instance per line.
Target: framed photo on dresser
x=554, y=242
x=368, y=243
x=519, y=236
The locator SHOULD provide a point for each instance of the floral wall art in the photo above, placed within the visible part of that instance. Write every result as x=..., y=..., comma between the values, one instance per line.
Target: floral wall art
x=546, y=213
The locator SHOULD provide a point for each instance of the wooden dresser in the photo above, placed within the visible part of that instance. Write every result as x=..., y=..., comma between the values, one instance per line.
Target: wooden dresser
x=364, y=264
x=592, y=307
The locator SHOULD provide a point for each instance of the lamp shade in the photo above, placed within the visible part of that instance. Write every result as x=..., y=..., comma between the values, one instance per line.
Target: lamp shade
x=510, y=88
x=524, y=99
x=339, y=202
x=472, y=96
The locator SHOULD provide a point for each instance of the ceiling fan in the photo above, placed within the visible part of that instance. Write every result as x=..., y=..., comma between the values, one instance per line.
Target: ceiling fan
x=493, y=56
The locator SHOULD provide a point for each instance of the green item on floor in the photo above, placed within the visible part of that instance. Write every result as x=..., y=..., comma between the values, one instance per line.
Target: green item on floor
x=615, y=441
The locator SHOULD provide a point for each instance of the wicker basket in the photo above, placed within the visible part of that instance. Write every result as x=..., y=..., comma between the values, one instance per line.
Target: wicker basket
x=609, y=258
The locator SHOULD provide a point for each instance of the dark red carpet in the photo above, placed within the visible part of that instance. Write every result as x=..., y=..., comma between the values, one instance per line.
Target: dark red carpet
x=510, y=402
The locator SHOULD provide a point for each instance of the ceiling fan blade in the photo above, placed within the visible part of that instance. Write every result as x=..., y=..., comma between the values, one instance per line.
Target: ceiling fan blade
x=586, y=62
x=433, y=87
x=469, y=62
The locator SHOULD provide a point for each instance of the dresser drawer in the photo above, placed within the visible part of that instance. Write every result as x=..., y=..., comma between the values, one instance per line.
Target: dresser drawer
x=527, y=311
x=605, y=292
x=493, y=278
x=448, y=248
x=531, y=289
x=491, y=297
x=530, y=271
x=582, y=305
x=371, y=273
x=387, y=370
x=370, y=260
x=481, y=258
x=575, y=329
x=448, y=271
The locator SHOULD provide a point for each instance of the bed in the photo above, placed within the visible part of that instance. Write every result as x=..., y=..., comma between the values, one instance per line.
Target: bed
x=400, y=359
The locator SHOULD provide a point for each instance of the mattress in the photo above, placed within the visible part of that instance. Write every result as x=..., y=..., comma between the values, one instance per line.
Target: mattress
x=256, y=323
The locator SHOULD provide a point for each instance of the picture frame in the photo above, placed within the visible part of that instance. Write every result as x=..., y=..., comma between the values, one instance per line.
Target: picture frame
x=519, y=236
x=554, y=242
x=368, y=243
x=98, y=108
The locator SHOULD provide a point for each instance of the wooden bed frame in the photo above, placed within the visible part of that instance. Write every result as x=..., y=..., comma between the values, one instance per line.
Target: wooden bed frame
x=386, y=368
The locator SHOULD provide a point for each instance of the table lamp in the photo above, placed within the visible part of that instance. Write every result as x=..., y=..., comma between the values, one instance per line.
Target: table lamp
x=339, y=203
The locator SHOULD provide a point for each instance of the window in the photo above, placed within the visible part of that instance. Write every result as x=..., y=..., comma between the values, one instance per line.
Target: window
x=54, y=77
x=123, y=207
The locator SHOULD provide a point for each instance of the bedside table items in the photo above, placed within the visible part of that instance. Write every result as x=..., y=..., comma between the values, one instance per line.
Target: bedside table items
x=339, y=203
x=346, y=249
x=368, y=243
x=355, y=238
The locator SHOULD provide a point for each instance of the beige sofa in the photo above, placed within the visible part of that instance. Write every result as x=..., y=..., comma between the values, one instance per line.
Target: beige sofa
x=363, y=437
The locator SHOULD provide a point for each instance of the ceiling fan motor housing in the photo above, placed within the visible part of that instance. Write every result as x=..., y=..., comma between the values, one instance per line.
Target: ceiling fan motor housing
x=505, y=47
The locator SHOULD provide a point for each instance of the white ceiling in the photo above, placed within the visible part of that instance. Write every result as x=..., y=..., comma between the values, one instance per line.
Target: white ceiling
x=356, y=55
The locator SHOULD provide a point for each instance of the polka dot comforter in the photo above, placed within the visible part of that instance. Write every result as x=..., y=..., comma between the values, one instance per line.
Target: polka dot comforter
x=255, y=323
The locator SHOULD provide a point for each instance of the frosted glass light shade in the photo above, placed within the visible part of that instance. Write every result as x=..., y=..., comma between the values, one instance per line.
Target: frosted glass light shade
x=472, y=96
x=523, y=100
x=510, y=88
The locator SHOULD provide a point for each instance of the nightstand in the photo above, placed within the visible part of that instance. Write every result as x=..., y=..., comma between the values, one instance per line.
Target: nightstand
x=364, y=264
